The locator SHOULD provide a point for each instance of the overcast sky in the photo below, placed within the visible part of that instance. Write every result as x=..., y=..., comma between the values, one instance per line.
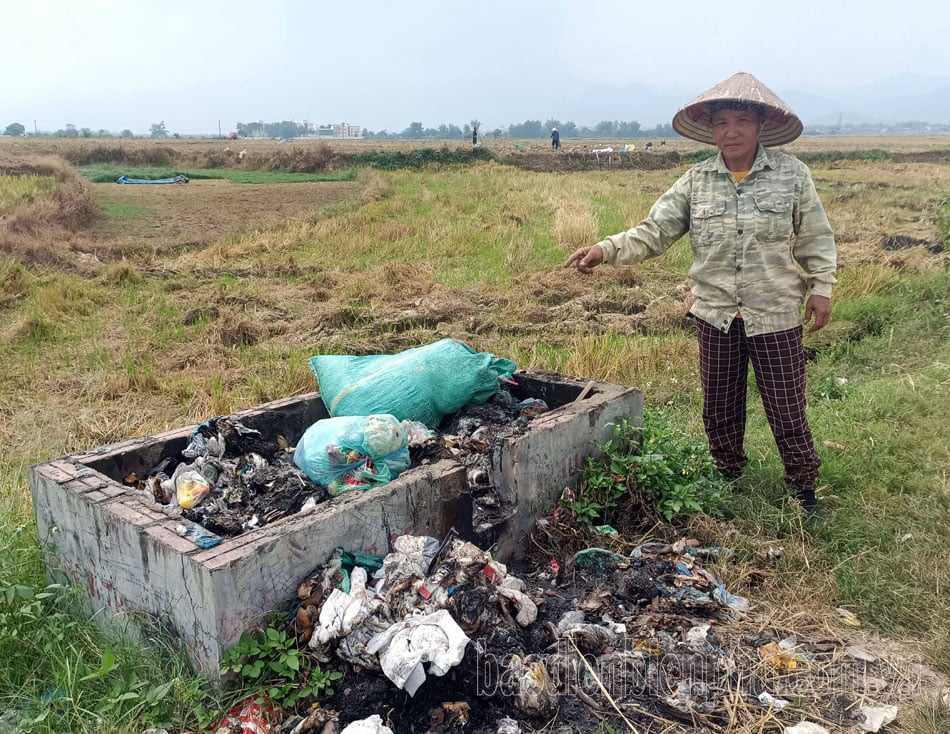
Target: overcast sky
x=382, y=64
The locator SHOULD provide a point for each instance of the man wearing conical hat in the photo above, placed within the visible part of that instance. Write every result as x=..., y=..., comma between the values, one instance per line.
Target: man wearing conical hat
x=762, y=249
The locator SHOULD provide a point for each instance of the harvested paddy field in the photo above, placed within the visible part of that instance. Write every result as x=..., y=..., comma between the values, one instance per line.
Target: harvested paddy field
x=170, y=218
x=157, y=307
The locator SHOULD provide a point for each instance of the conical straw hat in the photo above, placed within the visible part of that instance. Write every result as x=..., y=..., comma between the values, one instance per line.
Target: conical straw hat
x=779, y=125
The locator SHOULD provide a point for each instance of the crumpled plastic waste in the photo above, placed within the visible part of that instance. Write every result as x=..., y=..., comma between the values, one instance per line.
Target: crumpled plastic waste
x=219, y=437
x=689, y=583
x=736, y=603
x=412, y=556
x=342, y=563
x=510, y=588
x=589, y=637
x=431, y=638
x=311, y=595
x=342, y=612
x=507, y=725
x=248, y=717
x=649, y=550
x=354, y=648
x=200, y=536
x=877, y=717
x=688, y=698
x=470, y=559
x=191, y=488
x=417, y=432
x=318, y=721
x=536, y=695
x=527, y=609
x=355, y=452
x=697, y=637
x=531, y=407
x=370, y=725
x=600, y=558
x=202, y=445
x=781, y=658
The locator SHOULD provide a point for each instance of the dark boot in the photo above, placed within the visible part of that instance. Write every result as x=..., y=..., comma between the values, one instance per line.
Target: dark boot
x=809, y=502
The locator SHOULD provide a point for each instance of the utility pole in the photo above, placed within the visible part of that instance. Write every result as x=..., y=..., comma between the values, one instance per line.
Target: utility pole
x=219, y=128
x=35, y=131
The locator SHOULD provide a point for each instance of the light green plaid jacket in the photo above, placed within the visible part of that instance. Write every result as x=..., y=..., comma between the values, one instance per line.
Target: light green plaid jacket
x=758, y=247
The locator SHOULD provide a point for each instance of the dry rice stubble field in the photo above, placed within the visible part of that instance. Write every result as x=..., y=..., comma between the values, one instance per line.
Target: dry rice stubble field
x=224, y=316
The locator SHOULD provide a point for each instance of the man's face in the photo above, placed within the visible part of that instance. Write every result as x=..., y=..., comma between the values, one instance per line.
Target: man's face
x=736, y=134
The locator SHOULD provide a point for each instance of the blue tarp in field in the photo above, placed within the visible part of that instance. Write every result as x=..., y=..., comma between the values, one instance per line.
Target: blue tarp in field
x=179, y=179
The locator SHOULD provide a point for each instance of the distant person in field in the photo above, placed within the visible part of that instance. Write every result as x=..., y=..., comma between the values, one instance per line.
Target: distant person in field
x=649, y=147
x=762, y=248
x=555, y=138
x=474, y=136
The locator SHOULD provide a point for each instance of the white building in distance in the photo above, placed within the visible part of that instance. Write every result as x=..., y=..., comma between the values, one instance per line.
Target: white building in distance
x=337, y=131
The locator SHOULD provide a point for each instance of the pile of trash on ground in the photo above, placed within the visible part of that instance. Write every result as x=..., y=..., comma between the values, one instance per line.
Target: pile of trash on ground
x=439, y=637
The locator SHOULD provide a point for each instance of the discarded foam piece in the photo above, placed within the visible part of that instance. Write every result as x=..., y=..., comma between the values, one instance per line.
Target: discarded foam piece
x=877, y=717
x=805, y=727
x=767, y=699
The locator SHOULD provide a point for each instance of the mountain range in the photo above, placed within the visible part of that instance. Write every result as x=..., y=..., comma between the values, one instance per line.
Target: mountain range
x=900, y=99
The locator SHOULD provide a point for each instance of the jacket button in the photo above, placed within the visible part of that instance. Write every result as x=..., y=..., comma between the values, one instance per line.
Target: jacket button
x=740, y=231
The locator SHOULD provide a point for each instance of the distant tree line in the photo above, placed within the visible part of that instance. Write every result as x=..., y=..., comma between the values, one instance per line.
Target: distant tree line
x=606, y=129
x=879, y=128
x=448, y=131
x=17, y=129
x=284, y=129
x=526, y=130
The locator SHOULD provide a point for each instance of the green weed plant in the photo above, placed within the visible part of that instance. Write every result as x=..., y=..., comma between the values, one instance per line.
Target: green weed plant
x=671, y=470
x=271, y=665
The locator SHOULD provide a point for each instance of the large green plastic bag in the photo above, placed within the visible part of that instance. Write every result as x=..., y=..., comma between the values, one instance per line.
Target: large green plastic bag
x=421, y=384
x=353, y=452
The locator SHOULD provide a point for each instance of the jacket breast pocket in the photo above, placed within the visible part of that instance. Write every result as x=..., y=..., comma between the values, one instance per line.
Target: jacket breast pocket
x=773, y=217
x=707, y=223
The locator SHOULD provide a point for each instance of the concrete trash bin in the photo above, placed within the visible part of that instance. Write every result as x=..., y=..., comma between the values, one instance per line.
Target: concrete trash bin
x=140, y=574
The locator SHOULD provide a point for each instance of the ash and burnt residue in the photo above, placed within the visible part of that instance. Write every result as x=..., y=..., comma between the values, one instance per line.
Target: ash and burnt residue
x=651, y=637
x=468, y=437
x=232, y=478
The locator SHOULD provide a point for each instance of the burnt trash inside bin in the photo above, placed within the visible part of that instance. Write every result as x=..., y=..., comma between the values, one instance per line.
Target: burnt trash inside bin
x=253, y=480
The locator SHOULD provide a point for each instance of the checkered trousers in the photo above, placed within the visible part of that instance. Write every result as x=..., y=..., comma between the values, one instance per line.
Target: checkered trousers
x=778, y=360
